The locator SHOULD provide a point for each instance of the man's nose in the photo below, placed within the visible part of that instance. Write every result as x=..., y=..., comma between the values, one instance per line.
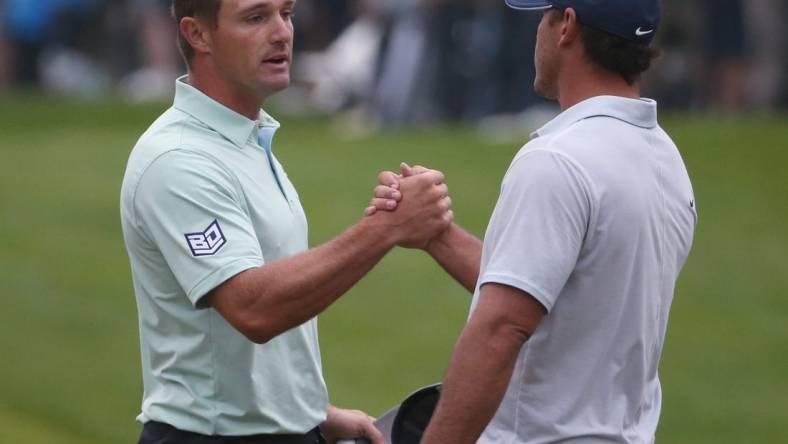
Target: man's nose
x=283, y=30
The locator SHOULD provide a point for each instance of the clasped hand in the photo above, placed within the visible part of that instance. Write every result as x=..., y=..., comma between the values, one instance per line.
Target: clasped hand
x=415, y=203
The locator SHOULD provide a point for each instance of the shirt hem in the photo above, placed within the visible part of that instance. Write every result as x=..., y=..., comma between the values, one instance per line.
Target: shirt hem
x=221, y=275
x=542, y=296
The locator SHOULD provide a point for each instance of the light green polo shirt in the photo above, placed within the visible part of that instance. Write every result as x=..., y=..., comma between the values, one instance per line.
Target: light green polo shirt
x=203, y=199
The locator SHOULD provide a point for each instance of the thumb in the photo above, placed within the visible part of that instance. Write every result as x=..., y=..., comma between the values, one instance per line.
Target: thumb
x=406, y=169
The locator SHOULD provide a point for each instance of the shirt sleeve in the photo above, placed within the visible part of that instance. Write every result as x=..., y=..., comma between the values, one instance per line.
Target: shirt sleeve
x=538, y=226
x=190, y=208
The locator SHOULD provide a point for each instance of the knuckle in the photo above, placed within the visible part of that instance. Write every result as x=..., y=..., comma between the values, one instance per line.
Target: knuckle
x=436, y=192
x=386, y=178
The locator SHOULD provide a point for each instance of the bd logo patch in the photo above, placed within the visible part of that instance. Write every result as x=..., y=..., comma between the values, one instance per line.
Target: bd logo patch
x=208, y=242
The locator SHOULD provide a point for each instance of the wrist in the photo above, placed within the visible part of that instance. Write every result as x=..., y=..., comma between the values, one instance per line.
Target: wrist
x=379, y=234
x=438, y=243
x=326, y=427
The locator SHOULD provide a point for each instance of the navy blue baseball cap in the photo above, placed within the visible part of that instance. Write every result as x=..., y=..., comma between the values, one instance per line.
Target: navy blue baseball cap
x=634, y=20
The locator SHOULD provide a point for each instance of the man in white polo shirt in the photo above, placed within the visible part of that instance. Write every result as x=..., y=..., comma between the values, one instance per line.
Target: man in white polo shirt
x=227, y=289
x=579, y=263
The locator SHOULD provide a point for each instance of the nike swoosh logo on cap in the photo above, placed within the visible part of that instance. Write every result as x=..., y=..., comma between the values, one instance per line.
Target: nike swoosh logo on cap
x=640, y=32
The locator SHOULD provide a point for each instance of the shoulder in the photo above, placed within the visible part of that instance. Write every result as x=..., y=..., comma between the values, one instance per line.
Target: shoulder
x=545, y=156
x=176, y=174
x=546, y=172
x=184, y=175
x=176, y=148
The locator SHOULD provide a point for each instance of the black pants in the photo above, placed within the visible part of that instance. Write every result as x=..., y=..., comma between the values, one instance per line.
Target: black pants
x=159, y=433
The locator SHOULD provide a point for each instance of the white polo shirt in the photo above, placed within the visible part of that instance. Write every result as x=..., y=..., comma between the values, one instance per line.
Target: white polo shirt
x=595, y=220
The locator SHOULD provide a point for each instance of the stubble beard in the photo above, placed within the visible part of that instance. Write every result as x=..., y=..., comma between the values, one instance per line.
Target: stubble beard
x=546, y=64
x=545, y=83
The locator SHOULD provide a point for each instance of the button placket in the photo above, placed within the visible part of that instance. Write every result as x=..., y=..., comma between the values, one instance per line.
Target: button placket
x=265, y=134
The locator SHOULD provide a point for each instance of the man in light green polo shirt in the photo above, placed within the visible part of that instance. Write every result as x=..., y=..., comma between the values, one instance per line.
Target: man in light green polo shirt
x=227, y=289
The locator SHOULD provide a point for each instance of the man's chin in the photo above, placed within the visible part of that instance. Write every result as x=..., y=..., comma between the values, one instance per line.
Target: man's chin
x=545, y=91
x=277, y=84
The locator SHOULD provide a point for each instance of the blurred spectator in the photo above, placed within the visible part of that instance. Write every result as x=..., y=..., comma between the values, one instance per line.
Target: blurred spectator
x=725, y=73
x=319, y=22
x=418, y=61
x=397, y=61
x=455, y=60
x=159, y=58
x=4, y=51
x=672, y=79
x=32, y=27
x=766, y=21
x=339, y=75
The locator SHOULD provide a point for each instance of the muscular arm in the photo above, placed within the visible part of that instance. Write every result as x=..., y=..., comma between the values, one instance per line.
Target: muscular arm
x=266, y=301
x=482, y=364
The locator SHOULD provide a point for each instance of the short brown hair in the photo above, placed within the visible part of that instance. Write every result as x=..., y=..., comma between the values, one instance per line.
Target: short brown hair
x=207, y=10
x=616, y=54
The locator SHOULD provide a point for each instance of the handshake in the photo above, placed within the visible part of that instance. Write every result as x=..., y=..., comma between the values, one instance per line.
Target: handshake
x=413, y=207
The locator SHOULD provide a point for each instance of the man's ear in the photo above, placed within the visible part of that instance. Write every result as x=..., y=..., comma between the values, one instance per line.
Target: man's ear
x=197, y=33
x=570, y=27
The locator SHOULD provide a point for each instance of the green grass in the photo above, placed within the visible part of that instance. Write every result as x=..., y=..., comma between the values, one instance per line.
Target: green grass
x=69, y=368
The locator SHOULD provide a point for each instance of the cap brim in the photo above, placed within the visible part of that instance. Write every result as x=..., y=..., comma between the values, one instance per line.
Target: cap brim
x=385, y=423
x=529, y=5
x=405, y=423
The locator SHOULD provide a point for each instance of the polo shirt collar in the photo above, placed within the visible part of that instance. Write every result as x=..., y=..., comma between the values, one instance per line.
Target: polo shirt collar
x=637, y=112
x=235, y=127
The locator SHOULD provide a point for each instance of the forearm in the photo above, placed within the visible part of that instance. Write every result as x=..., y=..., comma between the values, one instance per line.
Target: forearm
x=459, y=253
x=283, y=294
x=479, y=372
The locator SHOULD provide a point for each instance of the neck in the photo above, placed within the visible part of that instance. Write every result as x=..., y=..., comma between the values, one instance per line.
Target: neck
x=210, y=83
x=585, y=81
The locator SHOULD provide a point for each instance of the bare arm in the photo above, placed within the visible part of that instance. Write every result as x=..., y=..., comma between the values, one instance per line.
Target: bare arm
x=266, y=301
x=459, y=253
x=482, y=364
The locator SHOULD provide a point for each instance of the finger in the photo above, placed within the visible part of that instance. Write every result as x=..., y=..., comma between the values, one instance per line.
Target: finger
x=405, y=169
x=445, y=204
x=448, y=217
x=383, y=204
x=436, y=176
x=386, y=192
x=418, y=169
x=389, y=179
x=370, y=210
x=441, y=191
x=373, y=434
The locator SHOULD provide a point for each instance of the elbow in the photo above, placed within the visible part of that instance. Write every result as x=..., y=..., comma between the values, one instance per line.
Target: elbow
x=509, y=338
x=506, y=336
x=258, y=331
x=244, y=317
x=258, y=337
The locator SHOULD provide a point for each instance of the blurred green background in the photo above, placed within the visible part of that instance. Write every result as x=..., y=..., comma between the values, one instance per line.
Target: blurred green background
x=69, y=364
